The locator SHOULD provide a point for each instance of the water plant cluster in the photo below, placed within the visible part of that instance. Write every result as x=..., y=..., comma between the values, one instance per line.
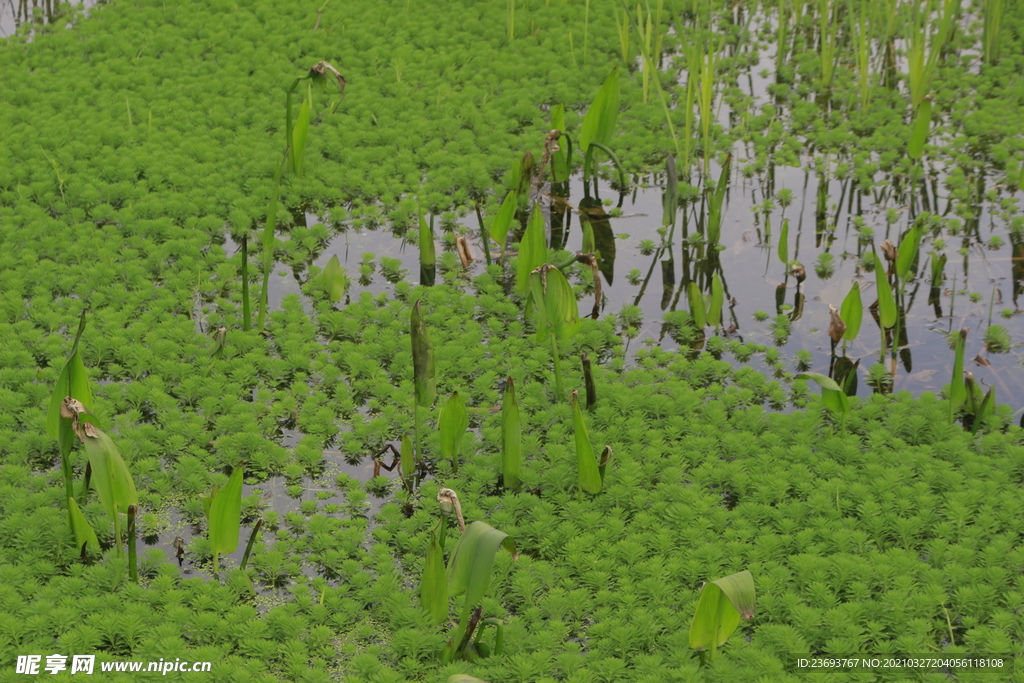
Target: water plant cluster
x=641, y=499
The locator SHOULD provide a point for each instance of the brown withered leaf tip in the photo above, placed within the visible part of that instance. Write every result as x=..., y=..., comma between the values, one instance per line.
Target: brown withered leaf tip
x=836, y=326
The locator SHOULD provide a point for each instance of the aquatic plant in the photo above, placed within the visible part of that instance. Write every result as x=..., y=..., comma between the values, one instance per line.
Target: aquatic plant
x=723, y=603
x=469, y=575
x=886, y=302
x=511, y=437
x=336, y=281
x=599, y=126
x=452, y=424
x=558, y=316
x=428, y=256
x=533, y=250
x=424, y=382
x=957, y=391
x=223, y=510
x=832, y=395
x=852, y=314
x=992, y=12
x=591, y=474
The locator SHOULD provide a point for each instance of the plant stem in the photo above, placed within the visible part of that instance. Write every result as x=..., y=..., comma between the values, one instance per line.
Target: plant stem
x=133, y=571
x=558, y=366
x=252, y=540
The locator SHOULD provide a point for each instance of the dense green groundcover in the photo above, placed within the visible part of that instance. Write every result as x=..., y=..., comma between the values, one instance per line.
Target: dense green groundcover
x=134, y=143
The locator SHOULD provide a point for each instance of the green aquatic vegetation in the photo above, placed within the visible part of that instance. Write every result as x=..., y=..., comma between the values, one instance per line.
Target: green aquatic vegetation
x=957, y=391
x=852, y=313
x=723, y=603
x=825, y=265
x=452, y=425
x=511, y=437
x=533, y=250
x=469, y=575
x=72, y=382
x=223, y=510
x=590, y=475
x=832, y=395
x=828, y=28
x=428, y=256
x=716, y=204
x=558, y=316
x=997, y=339
x=110, y=476
x=992, y=12
x=698, y=309
x=716, y=300
x=561, y=159
x=784, y=242
x=336, y=282
x=886, y=301
x=599, y=126
x=919, y=130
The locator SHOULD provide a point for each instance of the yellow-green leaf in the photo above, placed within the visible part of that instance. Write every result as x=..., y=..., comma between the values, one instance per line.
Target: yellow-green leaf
x=225, y=514
x=722, y=604
x=586, y=463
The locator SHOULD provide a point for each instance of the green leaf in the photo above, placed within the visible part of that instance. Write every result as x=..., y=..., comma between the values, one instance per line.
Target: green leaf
x=503, y=219
x=84, y=535
x=74, y=382
x=511, y=437
x=408, y=460
x=986, y=410
x=832, y=395
x=907, y=251
x=784, y=243
x=469, y=569
x=452, y=423
x=110, y=475
x=428, y=254
x=225, y=513
x=533, y=250
x=559, y=160
x=599, y=121
x=957, y=388
x=299, y=132
x=886, y=302
x=722, y=604
x=697, y=311
x=559, y=313
x=336, y=281
x=422, y=359
x=852, y=313
x=715, y=205
x=717, y=299
x=586, y=463
x=434, y=588
x=919, y=132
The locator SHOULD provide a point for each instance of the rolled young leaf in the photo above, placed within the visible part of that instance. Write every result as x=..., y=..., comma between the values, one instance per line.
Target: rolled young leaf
x=717, y=299
x=907, y=251
x=336, y=281
x=225, y=513
x=469, y=569
x=586, y=463
x=422, y=359
x=511, y=437
x=886, y=302
x=452, y=423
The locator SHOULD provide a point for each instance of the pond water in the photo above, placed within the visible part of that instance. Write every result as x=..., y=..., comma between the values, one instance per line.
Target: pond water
x=14, y=13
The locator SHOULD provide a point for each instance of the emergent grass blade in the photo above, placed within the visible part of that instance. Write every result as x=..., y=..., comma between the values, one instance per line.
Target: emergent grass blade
x=223, y=509
x=533, y=250
x=919, y=131
x=957, y=388
x=722, y=604
x=503, y=219
x=434, y=586
x=110, y=475
x=586, y=463
x=511, y=437
x=85, y=537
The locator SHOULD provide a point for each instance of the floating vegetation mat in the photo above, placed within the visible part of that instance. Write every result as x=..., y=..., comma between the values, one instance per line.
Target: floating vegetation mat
x=445, y=458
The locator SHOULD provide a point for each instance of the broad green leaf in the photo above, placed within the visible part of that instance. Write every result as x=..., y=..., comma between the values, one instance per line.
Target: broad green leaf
x=511, y=437
x=84, y=535
x=336, y=281
x=886, y=302
x=696, y=299
x=422, y=359
x=784, y=242
x=852, y=313
x=559, y=160
x=73, y=382
x=225, y=514
x=832, y=395
x=533, y=250
x=299, y=132
x=503, y=219
x=986, y=409
x=722, y=604
x=907, y=252
x=717, y=299
x=469, y=568
x=586, y=463
x=452, y=423
x=599, y=121
x=919, y=131
x=434, y=588
x=110, y=475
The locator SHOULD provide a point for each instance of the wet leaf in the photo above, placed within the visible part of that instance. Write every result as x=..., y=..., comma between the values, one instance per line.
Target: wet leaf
x=697, y=310
x=434, y=587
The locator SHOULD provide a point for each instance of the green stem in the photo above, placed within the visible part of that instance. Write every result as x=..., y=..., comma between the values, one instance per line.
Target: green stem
x=418, y=449
x=558, y=367
x=133, y=571
x=252, y=540
x=216, y=558
x=246, y=312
